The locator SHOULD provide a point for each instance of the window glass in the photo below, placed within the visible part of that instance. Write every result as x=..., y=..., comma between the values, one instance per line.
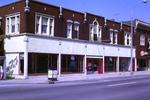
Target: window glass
x=115, y=38
x=12, y=24
x=95, y=28
x=44, y=25
x=51, y=25
x=111, y=37
x=142, y=39
x=95, y=31
x=37, y=24
x=7, y=25
x=76, y=31
x=18, y=24
x=127, y=38
x=69, y=30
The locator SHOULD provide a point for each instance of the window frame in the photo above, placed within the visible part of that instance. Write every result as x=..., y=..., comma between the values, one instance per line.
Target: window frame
x=113, y=35
x=69, y=29
x=8, y=23
x=76, y=29
x=39, y=24
x=98, y=32
x=142, y=41
x=127, y=37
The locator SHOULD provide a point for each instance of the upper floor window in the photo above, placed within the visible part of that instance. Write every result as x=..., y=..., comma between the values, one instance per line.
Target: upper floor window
x=95, y=31
x=127, y=38
x=69, y=28
x=75, y=34
x=72, y=29
x=148, y=40
x=116, y=38
x=44, y=25
x=142, y=39
x=13, y=24
x=113, y=36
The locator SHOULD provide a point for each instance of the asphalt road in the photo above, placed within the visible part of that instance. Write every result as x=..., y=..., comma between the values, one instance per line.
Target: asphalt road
x=132, y=88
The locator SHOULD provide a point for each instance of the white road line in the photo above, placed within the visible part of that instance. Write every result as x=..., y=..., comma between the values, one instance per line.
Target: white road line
x=120, y=84
x=13, y=85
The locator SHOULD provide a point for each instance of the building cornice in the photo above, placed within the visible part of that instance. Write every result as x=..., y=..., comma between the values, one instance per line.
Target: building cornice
x=66, y=39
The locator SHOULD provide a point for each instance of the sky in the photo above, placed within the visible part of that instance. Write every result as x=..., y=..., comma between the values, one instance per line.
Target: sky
x=120, y=10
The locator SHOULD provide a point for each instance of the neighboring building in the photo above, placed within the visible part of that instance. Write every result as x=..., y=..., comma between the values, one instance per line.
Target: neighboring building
x=44, y=35
x=142, y=42
x=1, y=45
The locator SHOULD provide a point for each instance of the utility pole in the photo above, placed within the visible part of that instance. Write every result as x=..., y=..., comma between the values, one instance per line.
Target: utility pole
x=132, y=26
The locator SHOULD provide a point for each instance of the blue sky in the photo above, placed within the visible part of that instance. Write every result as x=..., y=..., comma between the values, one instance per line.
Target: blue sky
x=119, y=10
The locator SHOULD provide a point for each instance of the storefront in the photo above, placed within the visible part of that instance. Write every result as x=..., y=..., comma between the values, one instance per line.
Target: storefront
x=94, y=65
x=68, y=56
x=124, y=64
x=39, y=63
x=142, y=64
x=71, y=64
x=110, y=64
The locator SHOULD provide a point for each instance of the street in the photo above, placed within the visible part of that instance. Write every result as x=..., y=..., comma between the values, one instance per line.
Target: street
x=131, y=88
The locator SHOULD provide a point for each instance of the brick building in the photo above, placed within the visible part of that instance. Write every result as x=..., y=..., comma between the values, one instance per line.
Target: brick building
x=43, y=35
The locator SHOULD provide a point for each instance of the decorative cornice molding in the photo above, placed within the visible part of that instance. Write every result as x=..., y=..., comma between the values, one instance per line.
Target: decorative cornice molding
x=105, y=20
x=27, y=8
x=85, y=17
x=121, y=26
x=60, y=11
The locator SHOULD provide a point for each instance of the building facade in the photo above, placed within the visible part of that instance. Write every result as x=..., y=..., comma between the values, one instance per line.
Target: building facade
x=43, y=35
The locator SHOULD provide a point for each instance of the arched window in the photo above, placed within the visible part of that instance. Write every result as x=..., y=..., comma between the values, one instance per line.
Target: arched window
x=95, y=27
x=95, y=31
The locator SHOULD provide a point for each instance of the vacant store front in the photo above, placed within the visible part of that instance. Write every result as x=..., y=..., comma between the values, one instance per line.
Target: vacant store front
x=124, y=64
x=142, y=64
x=71, y=64
x=94, y=65
x=39, y=63
x=110, y=64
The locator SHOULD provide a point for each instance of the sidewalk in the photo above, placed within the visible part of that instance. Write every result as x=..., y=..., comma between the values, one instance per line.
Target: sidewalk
x=73, y=77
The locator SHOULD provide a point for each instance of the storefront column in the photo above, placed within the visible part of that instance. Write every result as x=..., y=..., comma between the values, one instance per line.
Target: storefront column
x=85, y=65
x=26, y=57
x=103, y=65
x=135, y=64
x=117, y=66
x=4, y=66
x=59, y=64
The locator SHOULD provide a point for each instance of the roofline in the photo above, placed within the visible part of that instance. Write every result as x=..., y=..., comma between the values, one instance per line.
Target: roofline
x=94, y=15
x=18, y=1
x=36, y=1
x=137, y=21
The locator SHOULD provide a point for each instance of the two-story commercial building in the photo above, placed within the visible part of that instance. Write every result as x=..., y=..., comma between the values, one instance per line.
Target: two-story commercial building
x=43, y=35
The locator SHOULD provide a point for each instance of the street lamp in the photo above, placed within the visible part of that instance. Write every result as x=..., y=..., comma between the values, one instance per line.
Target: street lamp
x=132, y=26
x=144, y=1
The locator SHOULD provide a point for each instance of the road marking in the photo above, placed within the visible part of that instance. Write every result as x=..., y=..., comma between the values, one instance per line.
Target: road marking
x=12, y=85
x=120, y=84
x=106, y=80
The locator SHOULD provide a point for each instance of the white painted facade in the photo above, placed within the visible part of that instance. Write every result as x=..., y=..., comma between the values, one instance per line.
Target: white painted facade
x=23, y=44
x=43, y=44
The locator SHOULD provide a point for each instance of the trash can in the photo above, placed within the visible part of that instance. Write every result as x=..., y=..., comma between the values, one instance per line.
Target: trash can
x=52, y=74
x=1, y=73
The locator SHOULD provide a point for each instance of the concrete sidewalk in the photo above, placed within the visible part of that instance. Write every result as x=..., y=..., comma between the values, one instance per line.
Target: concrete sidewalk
x=73, y=77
